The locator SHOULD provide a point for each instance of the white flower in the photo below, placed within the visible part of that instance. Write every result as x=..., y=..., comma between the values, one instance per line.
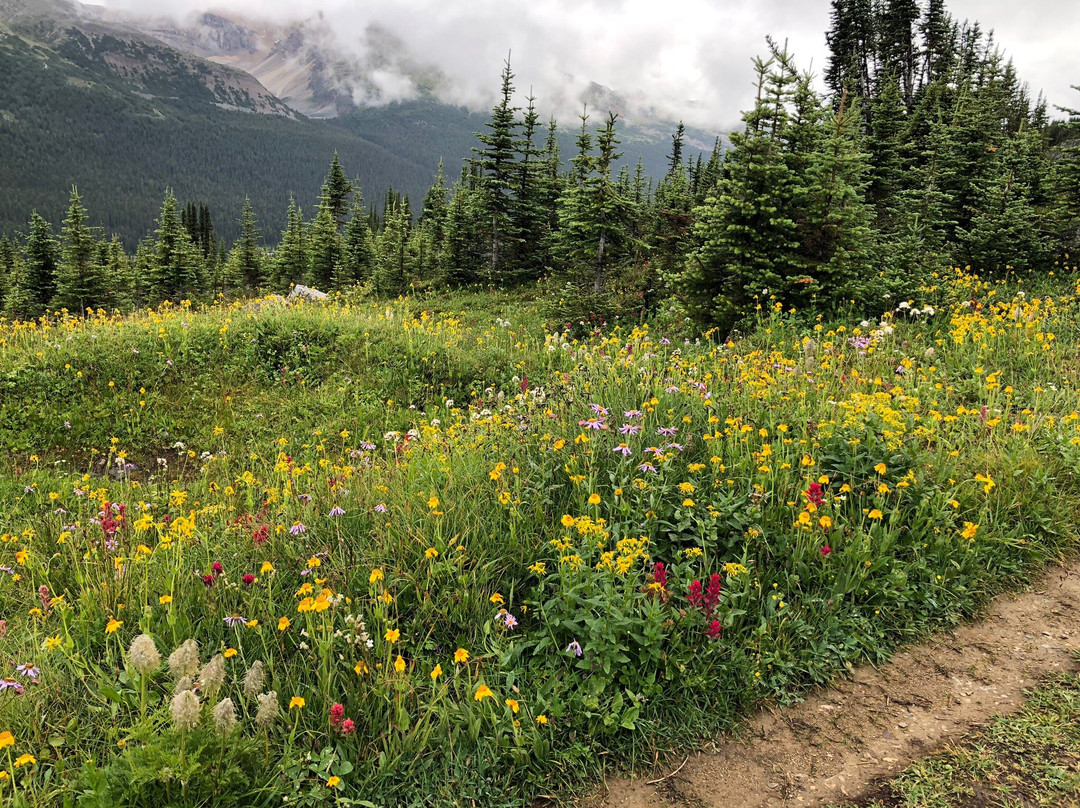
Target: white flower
x=185, y=710
x=144, y=655
x=224, y=716
x=254, y=679
x=268, y=709
x=184, y=661
x=213, y=676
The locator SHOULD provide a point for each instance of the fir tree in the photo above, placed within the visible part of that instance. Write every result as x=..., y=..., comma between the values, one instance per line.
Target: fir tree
x=747, y=234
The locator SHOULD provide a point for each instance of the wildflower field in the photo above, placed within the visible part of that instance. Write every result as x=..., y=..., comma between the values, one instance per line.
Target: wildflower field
x=432, y=552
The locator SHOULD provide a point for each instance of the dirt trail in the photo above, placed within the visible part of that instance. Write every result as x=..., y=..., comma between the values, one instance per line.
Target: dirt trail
x=837, y=743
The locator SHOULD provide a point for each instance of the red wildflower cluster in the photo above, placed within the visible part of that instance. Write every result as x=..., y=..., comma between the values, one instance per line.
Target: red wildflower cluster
x=110, y=519
x=660, y=574
x=708, y=599
x=815, y=494
x=338, y=721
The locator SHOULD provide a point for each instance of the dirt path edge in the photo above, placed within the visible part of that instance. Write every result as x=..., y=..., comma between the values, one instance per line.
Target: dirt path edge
x=845, y=739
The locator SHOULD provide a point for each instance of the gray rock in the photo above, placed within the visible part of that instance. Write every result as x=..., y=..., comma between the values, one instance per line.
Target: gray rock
x=306, y=292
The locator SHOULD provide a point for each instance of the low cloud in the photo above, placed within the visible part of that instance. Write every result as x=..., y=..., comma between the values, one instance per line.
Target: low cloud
x=684, y=59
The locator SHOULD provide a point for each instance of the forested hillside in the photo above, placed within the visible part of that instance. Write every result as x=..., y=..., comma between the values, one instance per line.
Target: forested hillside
x=927, y=150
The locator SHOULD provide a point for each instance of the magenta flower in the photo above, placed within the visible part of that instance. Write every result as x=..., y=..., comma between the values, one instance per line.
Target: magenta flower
x=574, y=648
x=623, y=449
x=380, y=508
x=298, y=528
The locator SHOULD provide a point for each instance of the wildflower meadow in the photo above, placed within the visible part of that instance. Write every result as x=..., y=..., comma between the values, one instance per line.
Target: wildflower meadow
x=440, y=552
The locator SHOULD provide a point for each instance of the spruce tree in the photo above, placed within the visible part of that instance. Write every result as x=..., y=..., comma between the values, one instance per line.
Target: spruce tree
x=41, y=254
x=591, y=242
x=246, y=262
x=358, y=256
x=325, y=246
x=746, y=234
x=495, y=162
x=337, y=189
x=291, y=262
x=177, y=267
x=80, y=283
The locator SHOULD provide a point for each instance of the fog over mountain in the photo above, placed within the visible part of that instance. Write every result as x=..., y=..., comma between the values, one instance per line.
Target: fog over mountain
x=685, y=59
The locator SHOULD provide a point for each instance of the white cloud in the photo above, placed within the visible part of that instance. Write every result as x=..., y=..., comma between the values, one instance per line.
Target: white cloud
x=688, y=59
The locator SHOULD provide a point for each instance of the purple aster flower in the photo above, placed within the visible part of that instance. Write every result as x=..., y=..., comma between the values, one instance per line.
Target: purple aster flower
x=668, y=431
x=29, y=670
x=598, y=409
x=305, y=572
x=592, y=423
x=367, y=447
x=304, y=497
x=7, y=569
x=298, y=528
x=59, y=512
x=676, y=446
x=507, y=618
x=672, y=389
x=29, y=489
x=67, y=424
x=380, y=508
x=574, y=648
x=665, y=341
x=629, y=429
x=632, y=414
x=337, y=511
x=235, y=620
x=11, y=684
x=656, y=450
x=649, y=467
x=111, y=544
x=623, y=449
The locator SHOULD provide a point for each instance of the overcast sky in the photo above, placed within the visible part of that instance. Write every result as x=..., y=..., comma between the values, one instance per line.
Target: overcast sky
x=689, y=59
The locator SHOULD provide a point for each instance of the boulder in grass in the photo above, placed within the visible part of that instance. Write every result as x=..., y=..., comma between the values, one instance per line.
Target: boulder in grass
x=306, y=293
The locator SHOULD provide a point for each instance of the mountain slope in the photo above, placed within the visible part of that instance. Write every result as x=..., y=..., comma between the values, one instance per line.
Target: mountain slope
x=124, y=117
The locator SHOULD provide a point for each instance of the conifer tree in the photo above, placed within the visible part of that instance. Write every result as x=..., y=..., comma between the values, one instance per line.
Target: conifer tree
x=392, y=267
x=291, y=262
x=746, y=233
x=461, y=252
x=495, y=162
x=337, y=189
x=177, y=267
x=593, y=221
x=80, y=282
x=7, y=267
x=325, y=247
x=358, y=255
x=246, y=262
x=40, y=256
x=18, y=301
